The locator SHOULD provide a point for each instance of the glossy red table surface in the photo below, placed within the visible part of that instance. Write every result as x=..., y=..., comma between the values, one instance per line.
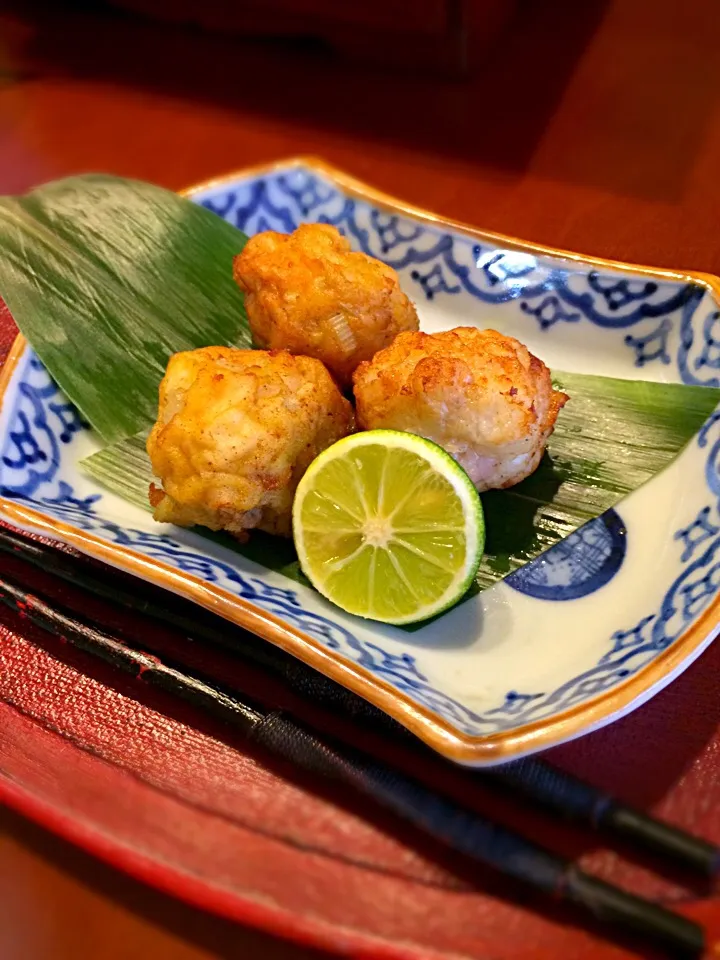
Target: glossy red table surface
x=596, y=129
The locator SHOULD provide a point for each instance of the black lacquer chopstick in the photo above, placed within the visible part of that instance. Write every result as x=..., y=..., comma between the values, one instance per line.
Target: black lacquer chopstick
x=579, y=801
x=462, y=830
x=535, y=779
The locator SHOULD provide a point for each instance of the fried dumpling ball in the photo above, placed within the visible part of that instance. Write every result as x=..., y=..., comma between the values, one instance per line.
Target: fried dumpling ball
x=481, y=396
x=306, y=292
x=236, y=430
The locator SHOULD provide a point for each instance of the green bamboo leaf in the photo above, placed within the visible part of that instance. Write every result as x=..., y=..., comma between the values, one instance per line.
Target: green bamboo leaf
x=107, y=278
x=611, y=438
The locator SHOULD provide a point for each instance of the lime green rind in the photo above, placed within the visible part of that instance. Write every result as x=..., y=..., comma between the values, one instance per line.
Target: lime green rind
x=582, y=476
x=413, y=580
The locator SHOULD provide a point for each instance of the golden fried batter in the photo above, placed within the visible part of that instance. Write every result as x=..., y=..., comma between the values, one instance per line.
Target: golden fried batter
x=236, y=430
x=307, y=293
x=482, y=396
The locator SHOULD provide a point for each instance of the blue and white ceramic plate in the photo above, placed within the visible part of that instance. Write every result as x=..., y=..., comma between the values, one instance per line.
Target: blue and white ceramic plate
x=578, y=637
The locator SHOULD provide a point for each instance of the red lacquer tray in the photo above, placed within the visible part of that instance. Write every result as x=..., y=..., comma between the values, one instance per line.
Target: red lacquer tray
x=164, y=794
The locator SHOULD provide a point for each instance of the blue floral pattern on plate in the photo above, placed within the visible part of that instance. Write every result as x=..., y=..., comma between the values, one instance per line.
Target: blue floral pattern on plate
x=441, y=264
x=674, y=325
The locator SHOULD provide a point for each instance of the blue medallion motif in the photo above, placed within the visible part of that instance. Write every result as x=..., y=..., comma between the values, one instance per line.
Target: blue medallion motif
x=42, y=424
x=578, y=565
x=582, y=563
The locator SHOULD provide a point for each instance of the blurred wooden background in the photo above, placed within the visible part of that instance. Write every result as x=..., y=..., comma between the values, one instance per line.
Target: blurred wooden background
x=592, y=125
x=443, y=36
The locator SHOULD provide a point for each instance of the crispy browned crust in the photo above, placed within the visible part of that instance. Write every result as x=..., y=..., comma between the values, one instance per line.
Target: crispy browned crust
x=236, y=430
x=306, y=292
x=479, y=394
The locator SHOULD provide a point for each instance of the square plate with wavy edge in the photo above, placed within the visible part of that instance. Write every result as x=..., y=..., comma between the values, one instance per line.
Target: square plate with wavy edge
x=568, y=643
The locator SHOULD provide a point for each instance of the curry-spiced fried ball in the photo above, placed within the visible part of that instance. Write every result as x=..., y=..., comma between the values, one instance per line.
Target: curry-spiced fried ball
x=306, y=292
x=482, y=396
x=236, y=430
